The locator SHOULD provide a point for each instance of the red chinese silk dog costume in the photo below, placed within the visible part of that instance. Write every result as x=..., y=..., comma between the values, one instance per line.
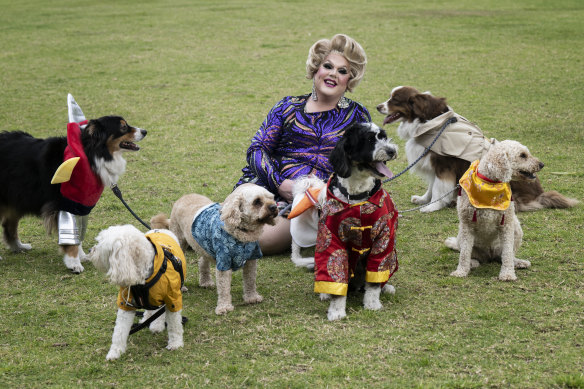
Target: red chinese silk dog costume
x=84, y=188
x=345, y=231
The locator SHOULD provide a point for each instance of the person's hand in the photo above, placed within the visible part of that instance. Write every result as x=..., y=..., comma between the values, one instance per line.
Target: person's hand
x=285, y=190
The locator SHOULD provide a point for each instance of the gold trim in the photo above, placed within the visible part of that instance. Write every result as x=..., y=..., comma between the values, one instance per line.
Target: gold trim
x=336, y=288
x=377, y=276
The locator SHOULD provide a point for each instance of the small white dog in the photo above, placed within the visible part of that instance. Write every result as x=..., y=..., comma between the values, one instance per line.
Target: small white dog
x=309, y=197
x=225, y=234
x=488, y=226
x=149, y=269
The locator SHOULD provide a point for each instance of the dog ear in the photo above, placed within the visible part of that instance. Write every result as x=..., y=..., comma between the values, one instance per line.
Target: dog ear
x=231, y=209
x=498, y=163
x=93, y=136
x=123, y=267
x=339, y=158
x=426, y=106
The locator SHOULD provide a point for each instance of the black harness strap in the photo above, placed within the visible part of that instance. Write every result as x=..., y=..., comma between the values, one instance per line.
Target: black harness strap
x=141, y=293
x=137, y=327
x=176, y=264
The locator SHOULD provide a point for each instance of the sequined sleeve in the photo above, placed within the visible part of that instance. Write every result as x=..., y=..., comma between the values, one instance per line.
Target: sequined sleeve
x=260, y=155
x=292, y=143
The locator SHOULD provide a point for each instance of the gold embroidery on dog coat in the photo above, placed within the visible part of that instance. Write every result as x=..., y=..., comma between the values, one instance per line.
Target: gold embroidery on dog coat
x=485, y=193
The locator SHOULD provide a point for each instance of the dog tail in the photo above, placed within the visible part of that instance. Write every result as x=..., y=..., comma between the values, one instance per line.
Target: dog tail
x=550, y=199
x=160, y=221
x=530, y=196
x=50, y=217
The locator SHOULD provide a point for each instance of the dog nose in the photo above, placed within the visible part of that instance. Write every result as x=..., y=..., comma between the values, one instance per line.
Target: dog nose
x=273, y=208
x=380, y=107
x=144, y=132
x=541, y=165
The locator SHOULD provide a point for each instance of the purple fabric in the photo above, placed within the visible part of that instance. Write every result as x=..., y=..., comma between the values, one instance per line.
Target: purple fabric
x=292, y=143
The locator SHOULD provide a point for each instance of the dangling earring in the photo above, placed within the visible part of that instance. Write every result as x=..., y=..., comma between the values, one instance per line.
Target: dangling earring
x=314, y=96
x=343, y=102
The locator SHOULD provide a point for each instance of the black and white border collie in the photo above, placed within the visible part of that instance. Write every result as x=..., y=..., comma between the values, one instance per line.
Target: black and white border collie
x=29, y=163
x=411, y=109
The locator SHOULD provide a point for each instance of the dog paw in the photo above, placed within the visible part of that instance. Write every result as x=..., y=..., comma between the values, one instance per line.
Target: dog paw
x=325, y=297
x=388, y=289
x=175, y=345
x=521, y=263
x=223, y=309
x=335, y=315
x=253, y=299
x=419, y=200
x=452, y=243
x=206, y=284
x=507, y=276
x=459, y=273
x=474, y=263
x=373, y=305
x=21, y=247
x=157, y=326
x=73, y=264
x=114, y=353
x=184, y=289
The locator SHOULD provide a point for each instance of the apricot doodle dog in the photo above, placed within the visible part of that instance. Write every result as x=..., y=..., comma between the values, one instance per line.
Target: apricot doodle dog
x=224, y=234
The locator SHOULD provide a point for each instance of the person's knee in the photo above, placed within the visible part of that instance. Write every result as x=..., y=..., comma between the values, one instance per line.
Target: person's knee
x=276, y=239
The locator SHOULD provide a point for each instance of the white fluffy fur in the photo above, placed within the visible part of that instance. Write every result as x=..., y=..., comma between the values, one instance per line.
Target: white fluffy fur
x=245, y=212
x=126, y=257
x=486, y=239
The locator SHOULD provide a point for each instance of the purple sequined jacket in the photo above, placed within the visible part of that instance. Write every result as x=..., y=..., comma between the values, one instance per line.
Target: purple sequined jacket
x=292, y=143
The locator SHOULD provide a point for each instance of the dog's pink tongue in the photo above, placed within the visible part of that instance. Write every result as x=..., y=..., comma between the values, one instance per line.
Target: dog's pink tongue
x=381, y=168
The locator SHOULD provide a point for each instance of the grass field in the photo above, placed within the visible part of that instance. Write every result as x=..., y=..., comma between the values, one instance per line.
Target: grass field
x=200, y=76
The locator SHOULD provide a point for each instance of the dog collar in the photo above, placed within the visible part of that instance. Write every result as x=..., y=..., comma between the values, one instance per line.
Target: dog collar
x=357, y=196
x=484, y=192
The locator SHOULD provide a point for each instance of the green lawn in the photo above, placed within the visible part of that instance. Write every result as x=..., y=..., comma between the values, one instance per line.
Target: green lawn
x=200, y=77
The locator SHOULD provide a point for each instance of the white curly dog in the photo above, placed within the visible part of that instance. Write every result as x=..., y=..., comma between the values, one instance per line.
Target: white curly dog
x=485, y=233
x=132, y=259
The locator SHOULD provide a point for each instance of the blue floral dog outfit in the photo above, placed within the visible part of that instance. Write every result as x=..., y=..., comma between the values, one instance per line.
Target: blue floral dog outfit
x=230, y=253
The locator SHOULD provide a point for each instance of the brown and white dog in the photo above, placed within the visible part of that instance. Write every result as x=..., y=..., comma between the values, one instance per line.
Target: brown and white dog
x=421, y=116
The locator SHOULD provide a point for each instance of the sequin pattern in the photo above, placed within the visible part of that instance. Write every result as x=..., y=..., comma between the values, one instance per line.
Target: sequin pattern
x=292, y=143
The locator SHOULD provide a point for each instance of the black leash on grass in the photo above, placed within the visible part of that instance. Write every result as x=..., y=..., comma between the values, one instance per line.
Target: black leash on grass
x=118, y=194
